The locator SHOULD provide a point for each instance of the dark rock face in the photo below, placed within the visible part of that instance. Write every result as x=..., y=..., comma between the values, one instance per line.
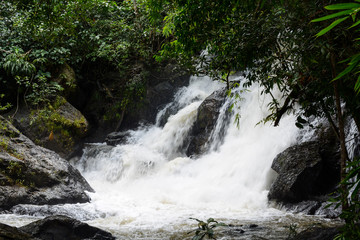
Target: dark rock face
x=207, y=116
x=299, y=168
x=162, y=86
x=62, y=227
x=100, y=103
x=307, y=170
x=30, y=174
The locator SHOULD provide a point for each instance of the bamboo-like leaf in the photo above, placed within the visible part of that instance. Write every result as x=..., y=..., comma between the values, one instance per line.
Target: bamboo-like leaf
x=334, y=15
x=343, y=73
x=355, y=192
x=354, y=62
x=341, y=6
x=345, y=60
x=357, y=85
x=355, y=59
x=355, y=24
x=331, y=26
x=352, y=174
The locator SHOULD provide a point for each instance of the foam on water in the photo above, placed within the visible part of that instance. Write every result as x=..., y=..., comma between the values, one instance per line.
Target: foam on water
x=149, y=183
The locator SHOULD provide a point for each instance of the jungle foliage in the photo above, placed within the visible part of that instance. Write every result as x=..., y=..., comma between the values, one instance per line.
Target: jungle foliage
x=38, y=37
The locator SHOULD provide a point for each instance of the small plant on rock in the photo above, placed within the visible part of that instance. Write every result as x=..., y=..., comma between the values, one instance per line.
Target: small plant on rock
x=205, y=229
x=293, y=229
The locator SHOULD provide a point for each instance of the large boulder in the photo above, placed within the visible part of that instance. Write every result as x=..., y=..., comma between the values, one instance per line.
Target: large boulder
x=307, y=170
x=205, y=123
x=30, y=174
x=58, y=126
x=62, y=227
x=299, y=168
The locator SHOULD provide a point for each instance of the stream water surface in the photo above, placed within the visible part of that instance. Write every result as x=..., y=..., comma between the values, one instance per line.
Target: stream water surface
x=147, y=188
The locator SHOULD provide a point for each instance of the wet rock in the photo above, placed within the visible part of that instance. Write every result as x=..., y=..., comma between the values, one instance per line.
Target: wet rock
x=59, y=126
x=62, y=227
x=307, y=170
x=317, y=233
x=73, y=211
x=31, y=174
x=207, y=116
x=12, y=233
x=116, y=138
x=299, y=168
x=329, y=211
x=306, y=207
x=93, y=150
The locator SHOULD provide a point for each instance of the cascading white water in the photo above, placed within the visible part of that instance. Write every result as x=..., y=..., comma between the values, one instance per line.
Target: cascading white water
x=147, y=188
x=149, y=182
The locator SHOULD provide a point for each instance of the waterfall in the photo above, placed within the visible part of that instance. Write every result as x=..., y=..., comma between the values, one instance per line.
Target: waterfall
x=150, y=181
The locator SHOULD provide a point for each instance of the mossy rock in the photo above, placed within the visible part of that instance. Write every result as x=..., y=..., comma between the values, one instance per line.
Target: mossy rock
x=57, y=126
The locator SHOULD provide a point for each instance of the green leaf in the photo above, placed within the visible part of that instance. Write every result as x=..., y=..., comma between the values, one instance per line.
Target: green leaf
x=196, y=220
x=331, y=26
x=353, y=63
x=345, y=60
x=334, y=15
x=357, y=85
x=341, y=6
x=355, y=24
x=355, y=192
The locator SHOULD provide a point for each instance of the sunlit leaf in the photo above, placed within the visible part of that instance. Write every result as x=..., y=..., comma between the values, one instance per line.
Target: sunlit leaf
x=341, y=6
x=354, y=62
x=334, y=15
x=331, y=26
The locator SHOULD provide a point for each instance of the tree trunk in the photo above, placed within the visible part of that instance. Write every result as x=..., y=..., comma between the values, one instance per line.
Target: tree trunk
x=227, y=81
x=341, y=125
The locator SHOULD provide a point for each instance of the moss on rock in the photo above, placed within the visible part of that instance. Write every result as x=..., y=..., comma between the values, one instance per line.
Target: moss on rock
x=57, y=126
